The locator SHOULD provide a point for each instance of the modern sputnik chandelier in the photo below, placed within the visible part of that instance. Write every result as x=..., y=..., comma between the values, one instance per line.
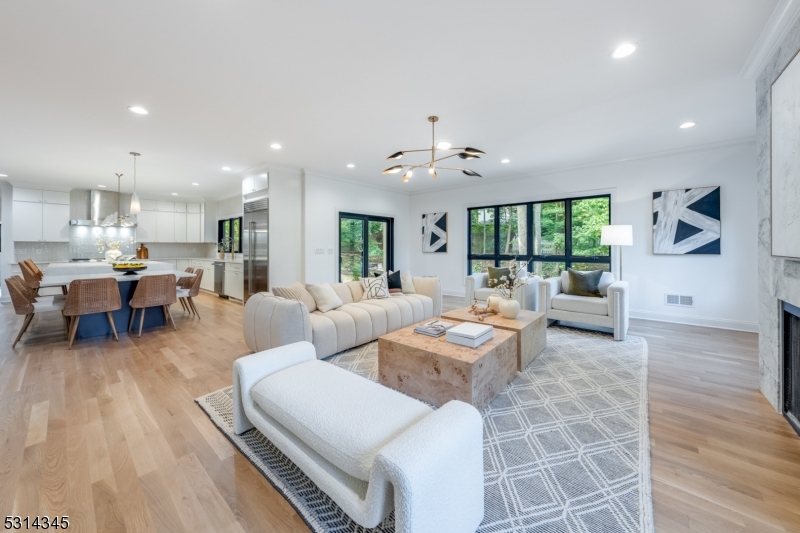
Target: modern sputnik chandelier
x=464, y=153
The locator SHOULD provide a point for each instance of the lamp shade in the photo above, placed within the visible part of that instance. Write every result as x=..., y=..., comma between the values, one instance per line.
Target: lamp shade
x=616, y=236
x=136, y=207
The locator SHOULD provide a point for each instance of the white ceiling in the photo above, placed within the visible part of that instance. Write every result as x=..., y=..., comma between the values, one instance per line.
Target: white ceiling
x=352, y=82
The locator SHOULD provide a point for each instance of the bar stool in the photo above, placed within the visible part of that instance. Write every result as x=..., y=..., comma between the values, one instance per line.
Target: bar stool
x=89, y=296
x=185, y=283
x=24, y=301
x=185, y=294
x=33, y=274
x=154, y=291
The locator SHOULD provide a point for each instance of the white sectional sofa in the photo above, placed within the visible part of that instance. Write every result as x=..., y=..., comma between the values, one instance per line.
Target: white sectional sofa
x=368, y=447
x=610, y=311
x=477, y=288
x=271, y=321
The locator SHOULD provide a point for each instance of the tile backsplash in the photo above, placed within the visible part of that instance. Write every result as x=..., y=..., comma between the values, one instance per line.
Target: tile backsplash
x=170, y=250
x=41, y=252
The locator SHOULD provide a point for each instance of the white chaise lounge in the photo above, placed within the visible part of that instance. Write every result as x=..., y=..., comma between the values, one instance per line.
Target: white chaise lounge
x=368, y=447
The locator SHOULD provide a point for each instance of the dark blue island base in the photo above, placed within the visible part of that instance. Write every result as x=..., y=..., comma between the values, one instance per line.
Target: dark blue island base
x=96, y=325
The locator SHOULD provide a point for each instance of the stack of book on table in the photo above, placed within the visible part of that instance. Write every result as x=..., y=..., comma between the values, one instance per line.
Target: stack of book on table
x=437, y=328
x=470, y=334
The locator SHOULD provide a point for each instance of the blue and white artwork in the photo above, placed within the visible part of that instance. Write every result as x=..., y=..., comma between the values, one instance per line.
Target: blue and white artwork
x=434, y=232
x=687, y=221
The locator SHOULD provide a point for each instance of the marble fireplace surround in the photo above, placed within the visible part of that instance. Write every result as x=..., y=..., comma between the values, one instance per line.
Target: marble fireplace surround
x=778, y=278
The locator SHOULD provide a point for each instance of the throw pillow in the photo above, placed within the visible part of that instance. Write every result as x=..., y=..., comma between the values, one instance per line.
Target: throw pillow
x=394, y=280
x=296, y=291
x=584, y=283
x=325, y=297
x=495, y=274
x=407, y=283
x=375, y=288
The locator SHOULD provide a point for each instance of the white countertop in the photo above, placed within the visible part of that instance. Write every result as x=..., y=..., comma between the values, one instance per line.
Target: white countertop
x=50, y=280
x=85, y=268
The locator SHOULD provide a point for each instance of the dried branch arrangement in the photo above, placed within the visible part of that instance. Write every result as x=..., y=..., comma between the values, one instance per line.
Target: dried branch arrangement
x=481, y=312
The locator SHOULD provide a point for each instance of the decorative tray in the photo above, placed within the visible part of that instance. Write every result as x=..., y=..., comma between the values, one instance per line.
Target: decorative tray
x=129, y=268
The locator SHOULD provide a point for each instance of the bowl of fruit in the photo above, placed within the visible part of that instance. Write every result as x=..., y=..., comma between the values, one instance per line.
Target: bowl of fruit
x=129, y=267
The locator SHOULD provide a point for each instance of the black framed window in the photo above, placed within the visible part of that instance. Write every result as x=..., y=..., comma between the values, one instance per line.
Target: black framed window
x=552, y=235
x=230, y=235
x=366, y=246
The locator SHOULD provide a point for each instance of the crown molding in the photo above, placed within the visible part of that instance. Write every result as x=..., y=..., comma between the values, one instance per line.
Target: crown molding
x=228, y=196
x=782, y=20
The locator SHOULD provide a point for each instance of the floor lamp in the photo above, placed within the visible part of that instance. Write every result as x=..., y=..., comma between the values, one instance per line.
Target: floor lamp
x=619, y=235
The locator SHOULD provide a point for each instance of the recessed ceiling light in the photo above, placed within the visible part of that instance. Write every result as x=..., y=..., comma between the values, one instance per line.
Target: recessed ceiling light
x=174, y=194
x=443, y=145
x=623, y=50
x=505, y=161
x=138, y=110
x=275, y=146
x=226, y=168
x=195, y=184
x=351, y=165
x=102, y=186
x=686, y=125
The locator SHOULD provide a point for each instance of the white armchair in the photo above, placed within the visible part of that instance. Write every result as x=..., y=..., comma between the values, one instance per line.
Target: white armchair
x=477, y=288
x=610, y=311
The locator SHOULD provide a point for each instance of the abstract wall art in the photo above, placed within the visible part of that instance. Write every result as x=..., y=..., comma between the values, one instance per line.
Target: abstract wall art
x=434, y=232
x=785, y=166
x=687, y=221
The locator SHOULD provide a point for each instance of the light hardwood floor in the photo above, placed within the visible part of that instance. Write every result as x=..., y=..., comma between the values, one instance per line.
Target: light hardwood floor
x=109, y=434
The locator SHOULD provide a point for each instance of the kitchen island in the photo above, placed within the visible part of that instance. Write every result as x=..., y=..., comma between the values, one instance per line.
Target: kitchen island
x=96, y=325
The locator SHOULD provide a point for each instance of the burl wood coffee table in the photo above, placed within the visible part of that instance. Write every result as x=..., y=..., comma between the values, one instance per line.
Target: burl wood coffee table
x=530, y=327
x=436, y=371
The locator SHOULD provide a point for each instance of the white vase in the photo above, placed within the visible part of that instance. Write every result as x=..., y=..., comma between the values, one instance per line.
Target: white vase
x=493, y=302
x=509, y=308
x=112, y=255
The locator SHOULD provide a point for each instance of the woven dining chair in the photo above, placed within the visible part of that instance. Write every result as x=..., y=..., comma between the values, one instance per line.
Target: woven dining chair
x=89, y=296
x=154, y=291
x=24, y=302
x=33, y=275
x=186, y=294
x=185, y=283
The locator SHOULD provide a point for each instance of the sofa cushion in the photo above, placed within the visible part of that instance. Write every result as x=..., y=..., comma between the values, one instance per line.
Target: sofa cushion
x=417, y=307
x=343, y=292
x=375, y=288
x=407, y=283
x=398, y=305
x=484, y=293
x=297, y=291
x=356, y=290
x=581, y=304
x=605, y=280
x=316, y=400
x=345, y=328
x=362, y=321
x=323, y=335
x=380, y=322
x=324, y=296
x=425, y=301
x=584, y=283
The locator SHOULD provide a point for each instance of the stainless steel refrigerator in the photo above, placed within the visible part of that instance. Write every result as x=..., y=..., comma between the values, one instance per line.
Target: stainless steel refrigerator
x=255, y=247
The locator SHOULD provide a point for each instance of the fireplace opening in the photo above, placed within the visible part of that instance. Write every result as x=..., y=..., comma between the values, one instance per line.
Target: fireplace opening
x=791, y=365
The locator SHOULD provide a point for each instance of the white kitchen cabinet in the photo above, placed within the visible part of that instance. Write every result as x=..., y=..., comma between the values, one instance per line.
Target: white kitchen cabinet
x=255, y=183
x=55, y=222
x=207, y=283
x=233, y=284
x=55, y=197
x=183, y=264
x=165, y=206
x=166, y=226
x=193, y=228
x=180, y=207
x=28, y=223
x=180, y=227
x=193, y=208
x=26, y=195
x=148, y=205
x=147, y=225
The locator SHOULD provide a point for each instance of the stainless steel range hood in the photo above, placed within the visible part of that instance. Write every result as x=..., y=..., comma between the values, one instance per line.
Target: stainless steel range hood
x=100, y=208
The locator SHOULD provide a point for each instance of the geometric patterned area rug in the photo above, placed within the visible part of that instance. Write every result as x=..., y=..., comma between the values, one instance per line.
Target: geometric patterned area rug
x=566, y=444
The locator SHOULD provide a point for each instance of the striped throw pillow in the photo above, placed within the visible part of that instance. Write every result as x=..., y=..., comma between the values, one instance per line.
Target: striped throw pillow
x=296, y=291
x=375, y=288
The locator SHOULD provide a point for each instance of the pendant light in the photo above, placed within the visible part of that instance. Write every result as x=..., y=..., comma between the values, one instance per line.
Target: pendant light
x=136, y=208
x=463, y=153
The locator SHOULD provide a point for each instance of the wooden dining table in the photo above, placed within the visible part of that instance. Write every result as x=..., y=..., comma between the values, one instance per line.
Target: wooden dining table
x=96, y=324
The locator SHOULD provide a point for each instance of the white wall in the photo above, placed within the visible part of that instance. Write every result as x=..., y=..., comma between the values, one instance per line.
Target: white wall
x=724, y=286
x=229, y=207
x=324, y=199
x=6, y=237
x=285, y=226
